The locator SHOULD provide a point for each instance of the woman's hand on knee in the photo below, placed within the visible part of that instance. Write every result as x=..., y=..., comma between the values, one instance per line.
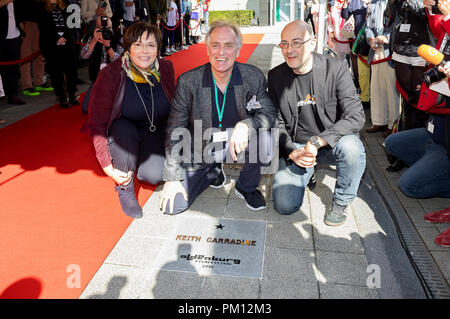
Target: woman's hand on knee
x=168, y=194
x=119, y=177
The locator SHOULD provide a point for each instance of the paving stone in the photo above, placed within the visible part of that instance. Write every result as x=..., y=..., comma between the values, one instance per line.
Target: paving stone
x=288, y=289
x=443, y=260
x=292, y=264
x=286, y=235
x=207, y=207
x=416, y=215
x=223, y=192
x=344, y=238
x=163, y=284
x=153, y=225
x=236, y=208
x=301, y=215
x=221, y=287
x=115, y=282
x=428, y=235
x=434, y=204
x=442, y=227
x=342, y=268
x=334, y=291
x=134, y=250
x=406, y=201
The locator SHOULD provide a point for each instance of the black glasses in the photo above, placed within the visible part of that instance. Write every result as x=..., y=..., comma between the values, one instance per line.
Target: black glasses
x=294, y=43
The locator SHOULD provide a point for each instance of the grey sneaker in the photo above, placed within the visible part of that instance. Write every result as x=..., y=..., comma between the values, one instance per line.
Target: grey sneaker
x=336, y=215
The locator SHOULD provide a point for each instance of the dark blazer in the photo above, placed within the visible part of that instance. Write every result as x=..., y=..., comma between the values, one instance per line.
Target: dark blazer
x=105, y=103
x=338, y=105
x=193, y=102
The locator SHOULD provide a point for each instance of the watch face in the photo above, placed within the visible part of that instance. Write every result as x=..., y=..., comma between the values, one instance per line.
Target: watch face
x=315, y=141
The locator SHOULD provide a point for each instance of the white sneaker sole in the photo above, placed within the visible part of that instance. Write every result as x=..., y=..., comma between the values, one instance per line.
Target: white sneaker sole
x=238, y=194
x=224, y=179
x=222, y=185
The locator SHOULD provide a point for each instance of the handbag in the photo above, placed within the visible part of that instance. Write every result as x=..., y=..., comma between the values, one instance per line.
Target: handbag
x=348, y=29
x=194, y=15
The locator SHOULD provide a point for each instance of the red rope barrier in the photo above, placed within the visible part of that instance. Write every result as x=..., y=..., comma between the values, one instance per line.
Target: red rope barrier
x=169, y=29
x=190, y=27
x=347, y=41
x=381, y=60
x=373, y=62
x=363, y=60
x=30, y=57
x=24, y=60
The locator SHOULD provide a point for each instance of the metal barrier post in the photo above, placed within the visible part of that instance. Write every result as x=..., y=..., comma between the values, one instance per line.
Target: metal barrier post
x=321, y=38
x=301, y=4
x=182, y=31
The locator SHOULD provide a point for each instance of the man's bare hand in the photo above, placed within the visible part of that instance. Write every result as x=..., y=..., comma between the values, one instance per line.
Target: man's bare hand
x=238, y=140
x=429, y=3
x=168, y=194
x=303, y=158
x=445, y=69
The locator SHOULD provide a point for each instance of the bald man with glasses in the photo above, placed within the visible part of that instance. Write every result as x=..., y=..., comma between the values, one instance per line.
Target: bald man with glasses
x=320, y=115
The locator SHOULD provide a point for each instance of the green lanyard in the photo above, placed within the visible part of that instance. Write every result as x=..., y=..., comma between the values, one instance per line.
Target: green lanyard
x=220, y=111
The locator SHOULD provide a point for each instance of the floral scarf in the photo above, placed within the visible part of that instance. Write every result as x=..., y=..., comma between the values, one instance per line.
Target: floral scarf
x=138, y=75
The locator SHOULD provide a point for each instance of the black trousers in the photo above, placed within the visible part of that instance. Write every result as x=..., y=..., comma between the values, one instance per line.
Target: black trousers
x=187, y=20
x=309, y=17
x=62, y=68
x=10, y=51
x=134, y=148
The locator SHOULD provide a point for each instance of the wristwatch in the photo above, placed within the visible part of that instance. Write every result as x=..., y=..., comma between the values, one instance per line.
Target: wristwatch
x=314, y=140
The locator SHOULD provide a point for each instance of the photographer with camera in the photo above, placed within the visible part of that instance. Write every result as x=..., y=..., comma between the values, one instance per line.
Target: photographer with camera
x=410, y=29
x=101, y=49
x=426, y=150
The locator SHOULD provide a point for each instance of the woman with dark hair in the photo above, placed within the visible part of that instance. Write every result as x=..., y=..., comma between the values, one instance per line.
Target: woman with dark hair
x=57, y=44
x=128, y=109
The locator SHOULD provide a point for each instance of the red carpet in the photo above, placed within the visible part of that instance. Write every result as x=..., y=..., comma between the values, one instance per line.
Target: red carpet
x=60, y=215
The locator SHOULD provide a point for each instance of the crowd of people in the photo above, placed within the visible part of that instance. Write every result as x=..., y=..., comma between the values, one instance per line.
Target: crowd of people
x=51, y=26
x=136, y=112
x=380, y=40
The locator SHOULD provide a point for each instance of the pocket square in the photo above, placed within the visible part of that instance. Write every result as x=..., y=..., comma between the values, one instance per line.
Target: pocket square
x=253, y=104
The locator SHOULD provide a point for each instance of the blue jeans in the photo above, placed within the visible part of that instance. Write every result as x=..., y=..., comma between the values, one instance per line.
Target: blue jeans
x=206, y=17
x=428, y=174
x=291, y=180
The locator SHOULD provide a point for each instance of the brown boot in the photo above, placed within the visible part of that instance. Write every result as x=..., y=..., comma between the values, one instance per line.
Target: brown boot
x=387, y=132
x=376, y=128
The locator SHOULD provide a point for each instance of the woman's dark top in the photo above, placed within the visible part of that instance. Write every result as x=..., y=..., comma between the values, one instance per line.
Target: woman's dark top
x=132, y=108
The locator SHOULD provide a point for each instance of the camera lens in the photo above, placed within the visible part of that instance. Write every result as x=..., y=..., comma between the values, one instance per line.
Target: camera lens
x=433, y=75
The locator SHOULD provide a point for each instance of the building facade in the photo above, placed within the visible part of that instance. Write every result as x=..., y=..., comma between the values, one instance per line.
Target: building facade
x=268, y=12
